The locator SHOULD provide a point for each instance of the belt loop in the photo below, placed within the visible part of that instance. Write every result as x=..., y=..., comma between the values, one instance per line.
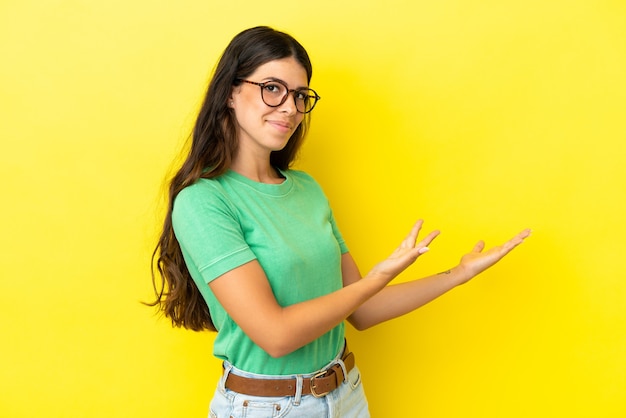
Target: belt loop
x=222, y=382
x=298, y=397
x=343, y=369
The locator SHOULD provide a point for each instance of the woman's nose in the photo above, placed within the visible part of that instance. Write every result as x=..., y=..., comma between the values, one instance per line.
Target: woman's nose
x=289, y=105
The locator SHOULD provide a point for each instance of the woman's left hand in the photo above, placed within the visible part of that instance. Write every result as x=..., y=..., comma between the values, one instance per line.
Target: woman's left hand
x=477, y=261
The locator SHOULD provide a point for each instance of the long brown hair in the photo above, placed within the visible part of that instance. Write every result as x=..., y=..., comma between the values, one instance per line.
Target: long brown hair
x=213, y=145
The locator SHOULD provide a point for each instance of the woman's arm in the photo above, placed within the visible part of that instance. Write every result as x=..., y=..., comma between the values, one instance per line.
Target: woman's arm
x=397, y=300
x=246, y=295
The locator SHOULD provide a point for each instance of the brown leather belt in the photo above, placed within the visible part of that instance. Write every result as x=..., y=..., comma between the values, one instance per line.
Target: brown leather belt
x=319, y=385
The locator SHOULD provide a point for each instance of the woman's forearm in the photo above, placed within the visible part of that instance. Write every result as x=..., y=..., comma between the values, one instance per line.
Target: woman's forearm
x=399, y=299
x=245, y=294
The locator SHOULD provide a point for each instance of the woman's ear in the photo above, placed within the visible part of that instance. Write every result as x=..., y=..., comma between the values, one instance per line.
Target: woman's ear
x=231, y=99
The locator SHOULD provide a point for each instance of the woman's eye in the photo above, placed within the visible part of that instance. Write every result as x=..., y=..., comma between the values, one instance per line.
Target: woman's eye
x=302, y=95
x=274, y=88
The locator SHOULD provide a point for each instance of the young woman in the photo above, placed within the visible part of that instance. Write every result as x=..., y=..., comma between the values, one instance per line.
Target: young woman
x=250, y=247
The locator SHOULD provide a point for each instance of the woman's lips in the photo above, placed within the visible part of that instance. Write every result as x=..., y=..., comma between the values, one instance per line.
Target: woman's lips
x=280, y=125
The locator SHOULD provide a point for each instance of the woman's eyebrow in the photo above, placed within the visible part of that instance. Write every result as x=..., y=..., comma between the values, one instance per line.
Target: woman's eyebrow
x=284, y=82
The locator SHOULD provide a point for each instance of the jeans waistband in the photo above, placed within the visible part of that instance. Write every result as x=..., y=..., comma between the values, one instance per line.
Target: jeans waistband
x=318, y=384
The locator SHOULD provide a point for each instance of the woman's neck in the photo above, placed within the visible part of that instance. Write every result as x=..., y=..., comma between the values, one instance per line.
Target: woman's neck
x=260, y=171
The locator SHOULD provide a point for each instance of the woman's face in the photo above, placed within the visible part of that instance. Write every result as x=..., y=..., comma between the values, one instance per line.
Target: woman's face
x=261, y=128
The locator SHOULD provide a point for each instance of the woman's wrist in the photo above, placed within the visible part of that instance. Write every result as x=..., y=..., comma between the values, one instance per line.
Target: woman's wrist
x=377, y=279
x=456, y=275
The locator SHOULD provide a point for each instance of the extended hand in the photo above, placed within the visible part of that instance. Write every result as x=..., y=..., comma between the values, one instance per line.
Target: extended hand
x=478, y=260
x=407, y=252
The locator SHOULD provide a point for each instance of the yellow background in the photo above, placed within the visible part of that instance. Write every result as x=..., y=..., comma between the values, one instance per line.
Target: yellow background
x=483, y=117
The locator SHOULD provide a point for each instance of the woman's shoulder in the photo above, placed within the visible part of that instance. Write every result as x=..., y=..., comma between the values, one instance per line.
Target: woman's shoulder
x=200, y=188
x=305, y=181
x=299, y=175
x=201, y=193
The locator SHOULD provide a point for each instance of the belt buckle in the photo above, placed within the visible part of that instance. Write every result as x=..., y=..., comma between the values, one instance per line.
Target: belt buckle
x=313, y=392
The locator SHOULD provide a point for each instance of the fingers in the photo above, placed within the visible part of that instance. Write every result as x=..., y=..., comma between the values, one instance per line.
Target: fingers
x=410, y=240
x=521, y=236
x=480, y=245
x=412, y=237
x=422, y=246
x=516, y=240
x=424, y=243
x=414, y=249
x=507, y=246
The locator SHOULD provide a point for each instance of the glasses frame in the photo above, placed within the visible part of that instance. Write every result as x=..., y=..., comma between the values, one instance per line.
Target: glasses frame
x=289, y=91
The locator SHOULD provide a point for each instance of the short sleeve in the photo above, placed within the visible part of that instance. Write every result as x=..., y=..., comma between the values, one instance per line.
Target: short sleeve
x=207, y=228
x=342, y=244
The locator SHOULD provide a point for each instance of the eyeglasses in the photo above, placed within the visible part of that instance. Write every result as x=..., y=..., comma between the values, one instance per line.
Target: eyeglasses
x=274, y=93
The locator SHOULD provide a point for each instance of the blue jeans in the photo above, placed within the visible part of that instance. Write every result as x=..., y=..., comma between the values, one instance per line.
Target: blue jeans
x=347, y=401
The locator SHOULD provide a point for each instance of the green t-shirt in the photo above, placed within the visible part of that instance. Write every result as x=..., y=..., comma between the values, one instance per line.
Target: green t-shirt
x=289, y=228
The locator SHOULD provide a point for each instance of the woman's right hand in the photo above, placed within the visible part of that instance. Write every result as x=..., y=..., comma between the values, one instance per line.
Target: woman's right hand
x=407, y=252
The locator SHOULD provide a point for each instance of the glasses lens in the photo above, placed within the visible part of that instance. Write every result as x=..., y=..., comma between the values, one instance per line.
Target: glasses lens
x=305, y=100
x=273, y=93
